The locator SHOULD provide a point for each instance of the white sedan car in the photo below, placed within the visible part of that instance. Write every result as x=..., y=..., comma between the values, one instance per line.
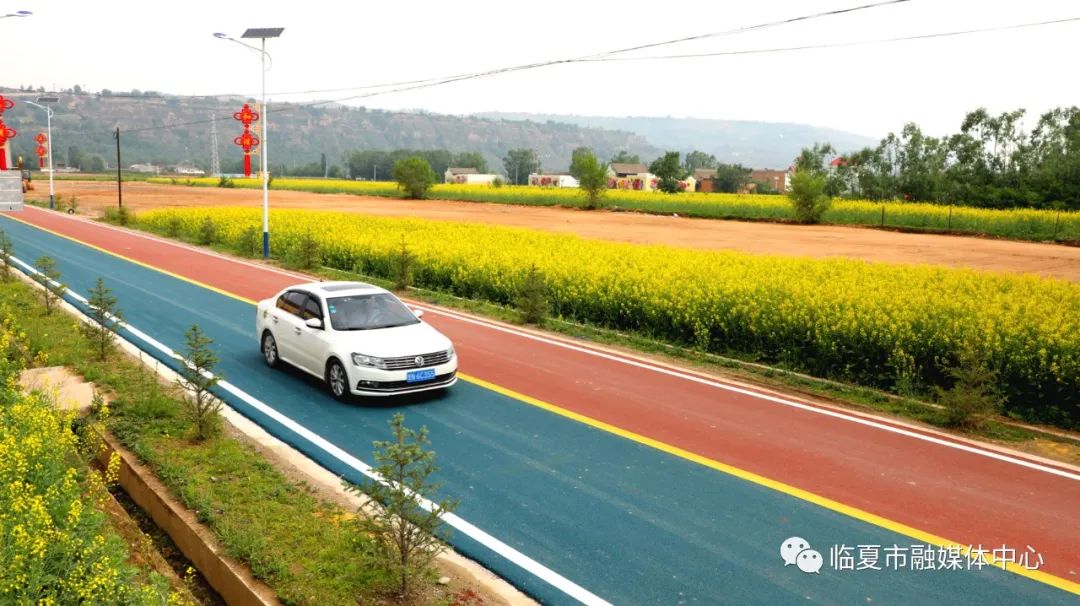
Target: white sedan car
x=359, y=338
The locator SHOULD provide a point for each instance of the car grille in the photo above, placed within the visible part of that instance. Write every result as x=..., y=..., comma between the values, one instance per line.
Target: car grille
x=392, y=386
x=407, y=362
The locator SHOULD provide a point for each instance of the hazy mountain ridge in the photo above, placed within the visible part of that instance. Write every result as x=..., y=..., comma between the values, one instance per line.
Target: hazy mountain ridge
x=170, y=129
x=299, y=134
x=752, y=144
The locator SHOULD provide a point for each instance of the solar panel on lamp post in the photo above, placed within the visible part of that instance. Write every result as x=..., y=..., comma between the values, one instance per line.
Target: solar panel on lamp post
x=44, y=103
x=262, y=33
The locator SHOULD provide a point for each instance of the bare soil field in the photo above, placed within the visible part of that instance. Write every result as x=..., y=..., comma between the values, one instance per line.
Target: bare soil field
x=762, y=238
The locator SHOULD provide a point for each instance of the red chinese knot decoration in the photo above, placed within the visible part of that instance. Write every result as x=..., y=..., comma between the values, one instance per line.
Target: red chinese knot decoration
x=246, y=140
x=5, y=132
x=42, y=151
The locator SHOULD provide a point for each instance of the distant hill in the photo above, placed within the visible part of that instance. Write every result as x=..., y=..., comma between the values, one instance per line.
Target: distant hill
x=752, y=144
x=299, y=135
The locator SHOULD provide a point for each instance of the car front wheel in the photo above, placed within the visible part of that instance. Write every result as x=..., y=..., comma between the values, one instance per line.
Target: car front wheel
x=269, y=350
x=337, y=380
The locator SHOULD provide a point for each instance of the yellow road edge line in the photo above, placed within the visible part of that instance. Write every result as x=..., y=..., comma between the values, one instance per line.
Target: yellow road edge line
x=135, y=261
x=827, y=503
x=853, y=512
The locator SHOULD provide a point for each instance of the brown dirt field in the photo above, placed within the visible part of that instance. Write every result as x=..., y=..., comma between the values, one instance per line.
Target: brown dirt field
x=763, y=238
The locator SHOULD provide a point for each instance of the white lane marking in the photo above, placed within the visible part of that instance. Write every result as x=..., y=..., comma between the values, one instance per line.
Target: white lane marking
x=652, y=367
x=484, y=538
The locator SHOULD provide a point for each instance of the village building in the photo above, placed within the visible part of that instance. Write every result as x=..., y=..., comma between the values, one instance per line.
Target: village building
x=552, y=179
x=467, y=176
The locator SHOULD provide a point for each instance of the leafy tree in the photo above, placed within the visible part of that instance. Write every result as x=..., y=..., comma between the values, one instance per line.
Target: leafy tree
x=669, y=171
x=471, y=160
x=815, y=159
x=699, y=159
x=808, y=196
x=625, y=157
x=519, y=164
x=730, y=177
x=75, y=157
x=592, y=177
x=49, y=278
x=415, y=176
x=105, y=316
x=407, y=532
x=96, y=164
x=577, y=157
x=197, y=378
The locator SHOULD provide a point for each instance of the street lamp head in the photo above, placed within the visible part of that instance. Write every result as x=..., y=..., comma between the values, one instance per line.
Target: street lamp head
x=23, y=13
x=221, y=35
x=263, y=32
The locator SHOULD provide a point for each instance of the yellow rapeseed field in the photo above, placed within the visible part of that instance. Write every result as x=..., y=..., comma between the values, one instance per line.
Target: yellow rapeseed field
x=55, y=545
x=872, y=323
x=1023, y=223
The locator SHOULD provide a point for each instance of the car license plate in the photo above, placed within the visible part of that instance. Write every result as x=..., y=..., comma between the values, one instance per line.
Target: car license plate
x=420, y=375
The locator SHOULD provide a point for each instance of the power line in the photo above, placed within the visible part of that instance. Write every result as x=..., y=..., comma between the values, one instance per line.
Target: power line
x=738, y=30
x=751, y=28
x=431, y=82
x=607, y=57
x=844, y=44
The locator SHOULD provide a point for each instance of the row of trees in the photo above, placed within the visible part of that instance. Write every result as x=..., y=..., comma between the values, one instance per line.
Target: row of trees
x=991, y=162
x=375, y=164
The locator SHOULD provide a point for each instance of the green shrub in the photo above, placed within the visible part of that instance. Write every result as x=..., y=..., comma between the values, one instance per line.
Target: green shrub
x=119, y=216
x=414, y=175
x=808, y=197
x=208, y=232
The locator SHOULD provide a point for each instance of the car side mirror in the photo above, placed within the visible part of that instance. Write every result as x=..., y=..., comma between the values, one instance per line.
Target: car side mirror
x=419, y=313
x=313, y=323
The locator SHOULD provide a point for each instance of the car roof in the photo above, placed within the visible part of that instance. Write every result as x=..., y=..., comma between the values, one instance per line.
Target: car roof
x=339, y=289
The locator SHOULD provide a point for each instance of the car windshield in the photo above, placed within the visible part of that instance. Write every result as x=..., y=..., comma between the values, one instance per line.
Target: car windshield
x=368, y=312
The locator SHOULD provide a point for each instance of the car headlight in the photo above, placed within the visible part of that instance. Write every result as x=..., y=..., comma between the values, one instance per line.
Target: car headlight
x=450, y=353
x=364, y=360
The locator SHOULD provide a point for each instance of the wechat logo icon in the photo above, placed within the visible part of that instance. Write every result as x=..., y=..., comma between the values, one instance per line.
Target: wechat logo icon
x=797, y=551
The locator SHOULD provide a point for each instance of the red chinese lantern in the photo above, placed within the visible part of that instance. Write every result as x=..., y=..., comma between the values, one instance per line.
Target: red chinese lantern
x=5, y=104
x=42, y=151
x=247, y=141
x=5, y=134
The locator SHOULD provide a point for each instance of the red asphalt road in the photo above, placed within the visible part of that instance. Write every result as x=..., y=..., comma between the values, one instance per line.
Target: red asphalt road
x=961, y=496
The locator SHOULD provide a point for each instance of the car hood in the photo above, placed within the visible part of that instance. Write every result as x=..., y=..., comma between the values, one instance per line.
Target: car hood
x=411, y=340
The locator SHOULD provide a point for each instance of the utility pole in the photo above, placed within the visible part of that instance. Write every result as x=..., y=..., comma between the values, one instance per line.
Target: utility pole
x=375, y=172
x=119, y=187
x=215, y=160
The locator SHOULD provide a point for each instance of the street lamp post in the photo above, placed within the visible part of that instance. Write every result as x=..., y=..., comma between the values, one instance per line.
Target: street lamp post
x=262, y=34
x=47, y=102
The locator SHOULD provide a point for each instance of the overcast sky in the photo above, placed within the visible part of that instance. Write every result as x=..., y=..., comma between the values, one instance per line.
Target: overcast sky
x=871, y=90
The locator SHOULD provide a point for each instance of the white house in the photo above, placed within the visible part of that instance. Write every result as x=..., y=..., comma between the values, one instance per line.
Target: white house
x=631, y=176
x=467, y=176
x=190, y=170
x=145, y=168
x=552, y=179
